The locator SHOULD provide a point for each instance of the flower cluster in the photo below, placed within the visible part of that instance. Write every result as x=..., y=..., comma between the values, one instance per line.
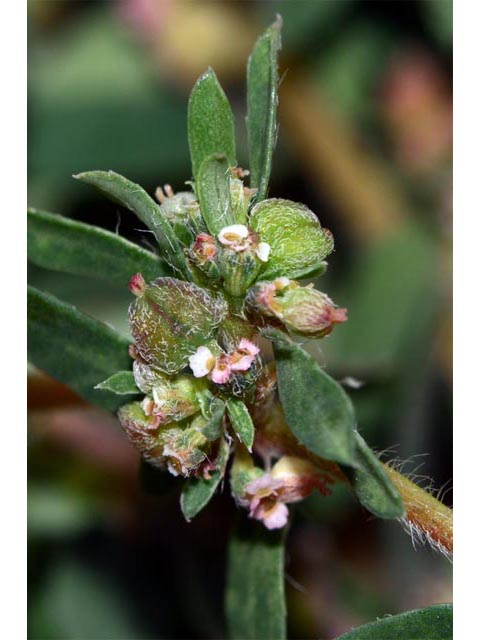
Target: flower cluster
x=219, y=368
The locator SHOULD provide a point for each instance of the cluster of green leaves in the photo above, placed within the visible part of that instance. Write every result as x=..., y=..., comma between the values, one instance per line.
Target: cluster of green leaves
x=81, y=351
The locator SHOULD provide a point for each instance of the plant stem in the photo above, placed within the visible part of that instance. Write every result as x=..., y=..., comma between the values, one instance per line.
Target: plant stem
x=425, y=515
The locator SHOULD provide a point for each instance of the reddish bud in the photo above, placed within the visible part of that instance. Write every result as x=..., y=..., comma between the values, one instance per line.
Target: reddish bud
x=137, y=285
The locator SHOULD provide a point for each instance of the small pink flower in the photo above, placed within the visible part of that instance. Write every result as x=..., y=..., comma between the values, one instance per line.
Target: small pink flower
x=204, y=248
x=202, y=362
x=274, y=515
x=222, y=370
x=241, y=359
x=265, y=504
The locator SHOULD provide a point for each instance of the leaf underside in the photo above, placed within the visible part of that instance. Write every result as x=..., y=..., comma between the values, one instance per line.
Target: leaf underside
x=74, y=348
x=262, y=100
x=255, y=597
x=65, y=245
x=317, y=409
x=431, y=623
x=373, y=487
x=241, y=421
x=210, y=122
x=136, y=199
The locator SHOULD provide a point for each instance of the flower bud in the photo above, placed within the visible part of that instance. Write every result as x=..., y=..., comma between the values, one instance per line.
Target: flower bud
x=137, y=285
x=181, y=448
x=142, y=433
x=182, y=211
x=309, y=312
x=184, y=450
x=303, y=310
x=171, y=319
x=172, y=400
x=203, y=253
x=297, y=241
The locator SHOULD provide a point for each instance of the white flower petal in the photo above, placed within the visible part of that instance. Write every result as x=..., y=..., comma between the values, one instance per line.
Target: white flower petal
x=233, y=234
x=202, y=362
x=263, y=251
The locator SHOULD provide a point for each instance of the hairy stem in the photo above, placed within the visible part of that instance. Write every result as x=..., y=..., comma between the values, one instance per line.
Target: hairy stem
x=425, y=515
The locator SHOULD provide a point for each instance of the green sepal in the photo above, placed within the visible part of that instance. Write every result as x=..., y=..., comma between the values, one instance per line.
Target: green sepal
x=241, y=421
x=121, y=383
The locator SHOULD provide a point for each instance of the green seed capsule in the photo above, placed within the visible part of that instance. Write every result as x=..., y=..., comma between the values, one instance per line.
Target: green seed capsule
x=170, y=319
x=297, y=241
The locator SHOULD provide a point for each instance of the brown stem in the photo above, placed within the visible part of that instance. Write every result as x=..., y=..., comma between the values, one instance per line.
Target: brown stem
x=425, y=515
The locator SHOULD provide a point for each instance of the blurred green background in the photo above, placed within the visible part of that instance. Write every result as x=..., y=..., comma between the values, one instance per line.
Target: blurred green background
x=366, y=142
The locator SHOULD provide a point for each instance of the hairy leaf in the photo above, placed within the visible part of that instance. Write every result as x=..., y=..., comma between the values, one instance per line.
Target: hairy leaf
x=74, y=348
x=262, y=100
x=255, y=598
x=431, y=623
x=317, y=409
x=62, y=244
x=133, y=197
x=198, y=492
x=213, y=429
x=213, y=191
x=210, y=122
x=121, y=383
x=241, y=421
x=373, y=487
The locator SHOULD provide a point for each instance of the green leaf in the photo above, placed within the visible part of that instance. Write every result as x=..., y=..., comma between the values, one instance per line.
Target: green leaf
x=61, y=244
x=213, y=429
x=431, y=623
x=213, y=191
x=255, y=598
x=317, y=409
x=197, y=492
x=241, y=421
x=262, y=100
x=210, y=122
x=121, y=383
x=74, y=348
x=134, y=198
x=373, y=487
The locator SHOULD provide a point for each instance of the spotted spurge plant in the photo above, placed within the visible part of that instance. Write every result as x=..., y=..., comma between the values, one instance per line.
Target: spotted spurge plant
x=215, y=386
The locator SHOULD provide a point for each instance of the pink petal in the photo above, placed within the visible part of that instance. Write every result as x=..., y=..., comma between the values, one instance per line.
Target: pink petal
x=273, y=516
x=222, y=370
